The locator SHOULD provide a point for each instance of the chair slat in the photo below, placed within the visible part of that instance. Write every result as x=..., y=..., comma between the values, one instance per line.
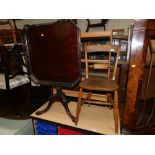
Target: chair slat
x=101, y=48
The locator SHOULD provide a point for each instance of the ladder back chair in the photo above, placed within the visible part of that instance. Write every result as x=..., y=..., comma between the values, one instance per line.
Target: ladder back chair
x=7, y=32
x=106, y=61
x=12, y=57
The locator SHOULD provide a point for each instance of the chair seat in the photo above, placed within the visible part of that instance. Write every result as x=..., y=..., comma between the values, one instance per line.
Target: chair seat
x=99, y=84
x=14, y=82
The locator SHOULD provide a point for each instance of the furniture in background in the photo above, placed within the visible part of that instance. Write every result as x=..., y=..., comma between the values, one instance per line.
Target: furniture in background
x=107, y=62
x=12, y=61
x=12, y=74
x=139, y=82
x=13, y=58
x=54, y=58
x=14, y=23
x=120, y=37
x=74, y=21
x=101, y=24
x=8, y=31
x=104, y=37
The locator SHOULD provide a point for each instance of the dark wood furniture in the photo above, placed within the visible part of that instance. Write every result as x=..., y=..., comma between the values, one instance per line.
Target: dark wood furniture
x=143, y=33
x=101, y=24
x=12, y=62
x=54, y=58
x=10, y=31
x=11, y=52
x=107, y=84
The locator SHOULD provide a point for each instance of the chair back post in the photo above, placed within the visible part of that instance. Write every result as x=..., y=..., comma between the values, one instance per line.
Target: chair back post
x=109, y=64
x=13, y=31
x=86, y=60
x=11, y=28
x=116, y=62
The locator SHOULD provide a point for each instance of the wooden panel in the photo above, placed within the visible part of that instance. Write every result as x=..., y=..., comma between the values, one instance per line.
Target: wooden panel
x=134, y=77
x=143, y=29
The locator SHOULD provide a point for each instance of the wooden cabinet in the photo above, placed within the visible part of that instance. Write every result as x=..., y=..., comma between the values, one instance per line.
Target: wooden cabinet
x=143, y=33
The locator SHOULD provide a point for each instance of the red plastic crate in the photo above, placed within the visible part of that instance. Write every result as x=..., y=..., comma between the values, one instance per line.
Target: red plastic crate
x=63, y=131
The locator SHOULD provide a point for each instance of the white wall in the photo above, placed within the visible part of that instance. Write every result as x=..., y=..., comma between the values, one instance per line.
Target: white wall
x=82, y=23
x=111, y=24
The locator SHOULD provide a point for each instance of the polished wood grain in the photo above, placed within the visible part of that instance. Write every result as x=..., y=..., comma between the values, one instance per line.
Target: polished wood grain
x=143, y=30
x=99, y=84
x=54, y=58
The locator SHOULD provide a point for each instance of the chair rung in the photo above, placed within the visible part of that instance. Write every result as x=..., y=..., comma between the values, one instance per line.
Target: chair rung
x=95, y=61
x=98, y=102
x=99, y=66
x=73, y=93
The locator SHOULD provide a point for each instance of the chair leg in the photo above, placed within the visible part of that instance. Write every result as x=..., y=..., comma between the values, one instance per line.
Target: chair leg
x=78, y=108
x=89, y=98
x=116, y=113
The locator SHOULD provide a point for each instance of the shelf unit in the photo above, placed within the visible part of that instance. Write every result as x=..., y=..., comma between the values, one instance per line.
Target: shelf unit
x=119, y=38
